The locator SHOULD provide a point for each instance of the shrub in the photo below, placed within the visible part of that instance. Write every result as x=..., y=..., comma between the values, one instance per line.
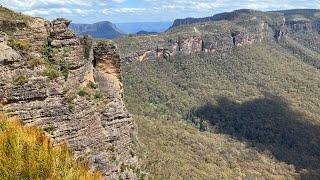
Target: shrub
x=46, y=51
x=21, y=80
x=51, y=73
x=112, y=149
x=86, y=42
x=19, y=45
x=49, y=129
x=113, y=159
x=26, y=153
x=69, y=97
x=92, y=85
x=34, y=62
x=83, y=93
x=97, y=95
x=65, y=73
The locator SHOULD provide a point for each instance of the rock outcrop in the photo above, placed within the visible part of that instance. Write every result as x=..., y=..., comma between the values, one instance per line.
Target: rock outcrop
x=52, y=79
x=302, y=20
x=303, y=26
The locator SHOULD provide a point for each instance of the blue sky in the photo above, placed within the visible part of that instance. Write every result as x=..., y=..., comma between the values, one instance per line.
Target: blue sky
x=117, y=11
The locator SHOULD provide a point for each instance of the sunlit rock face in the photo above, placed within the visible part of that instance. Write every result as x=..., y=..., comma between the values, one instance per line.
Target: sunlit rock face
x=70, y=87
x=209, y=35
x=222, y=32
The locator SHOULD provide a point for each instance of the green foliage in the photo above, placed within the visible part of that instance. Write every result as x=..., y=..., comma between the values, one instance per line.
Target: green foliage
x=21, y=80
x=176, y=150
x=34, y=62
x=113, y=159
x=65, y=73
x=51, y=73
x=69, y=97
x=83, y=93
x=86, y=42
x=112, y=149
x=19, y=45
x=49, y=129
x=26, y=153
x=123, y=167
x=92, y=85
x=98, y=95
x=243, y=124
x=304, y=48
x=46, y=51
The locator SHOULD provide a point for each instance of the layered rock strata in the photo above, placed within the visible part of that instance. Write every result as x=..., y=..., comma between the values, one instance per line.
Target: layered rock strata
x=220, y=33
x=52, y=79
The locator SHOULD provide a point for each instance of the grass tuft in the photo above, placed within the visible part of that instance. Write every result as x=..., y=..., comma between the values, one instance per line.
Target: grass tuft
x=19, y=45
x=21, y=80
x=26, y=153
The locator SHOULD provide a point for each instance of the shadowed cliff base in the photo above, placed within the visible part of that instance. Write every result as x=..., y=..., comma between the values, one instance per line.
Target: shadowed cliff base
x=267, y=124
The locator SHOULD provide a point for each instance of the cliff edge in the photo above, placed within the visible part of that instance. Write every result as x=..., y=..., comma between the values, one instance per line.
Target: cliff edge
x=70, y=87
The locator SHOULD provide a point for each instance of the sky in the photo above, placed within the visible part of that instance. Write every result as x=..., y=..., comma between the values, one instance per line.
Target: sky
x=119, y=11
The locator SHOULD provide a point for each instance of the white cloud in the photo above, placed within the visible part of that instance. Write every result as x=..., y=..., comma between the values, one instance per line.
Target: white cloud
x=205, y=5
x=36, y=4
x=124, y=10
x=39, y=12
x=147, y=10
x=83, y=11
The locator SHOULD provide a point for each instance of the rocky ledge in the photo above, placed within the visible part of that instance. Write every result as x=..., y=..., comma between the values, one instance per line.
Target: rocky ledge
x=71, y=88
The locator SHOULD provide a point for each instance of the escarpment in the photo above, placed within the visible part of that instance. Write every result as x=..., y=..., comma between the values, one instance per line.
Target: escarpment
x=221, y=32
x=208, y=35
x=71, y=88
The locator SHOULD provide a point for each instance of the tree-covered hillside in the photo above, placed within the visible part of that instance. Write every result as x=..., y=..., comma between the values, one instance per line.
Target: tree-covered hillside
x=256, y=110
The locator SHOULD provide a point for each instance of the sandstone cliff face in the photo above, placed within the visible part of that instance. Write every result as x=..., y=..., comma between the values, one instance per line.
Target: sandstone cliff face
x=52, y=79
x=303, y=26
x=222, y=32
x=209, y=37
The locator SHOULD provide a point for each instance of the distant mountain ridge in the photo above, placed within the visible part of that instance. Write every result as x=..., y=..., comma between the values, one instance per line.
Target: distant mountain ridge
x=217, y=17
x=134, y=27
x=103, y=29
x=109, y=30
x=290, y=15
x=145, y=33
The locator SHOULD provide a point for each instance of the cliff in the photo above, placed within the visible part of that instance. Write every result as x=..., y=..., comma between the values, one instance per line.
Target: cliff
x=221, y=32
x=71, y=88
x=218, y=17
x=218, y=33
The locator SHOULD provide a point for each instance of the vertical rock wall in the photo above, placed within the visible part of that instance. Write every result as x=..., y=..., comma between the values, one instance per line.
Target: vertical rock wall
x=76, y=99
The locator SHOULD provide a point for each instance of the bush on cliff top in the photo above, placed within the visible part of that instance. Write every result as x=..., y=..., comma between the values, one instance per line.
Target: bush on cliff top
x=21, y=80
x=19, y=45
x=26, y=153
